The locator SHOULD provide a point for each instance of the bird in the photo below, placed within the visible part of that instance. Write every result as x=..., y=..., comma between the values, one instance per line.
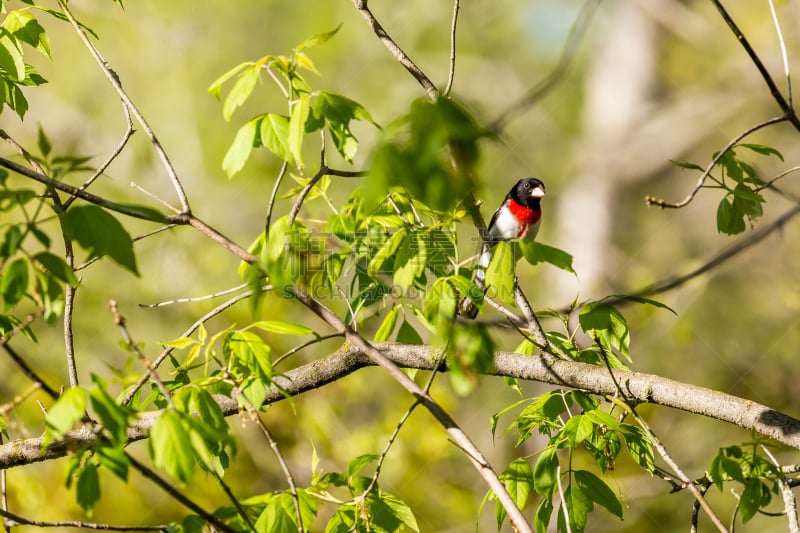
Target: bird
x=518, y=217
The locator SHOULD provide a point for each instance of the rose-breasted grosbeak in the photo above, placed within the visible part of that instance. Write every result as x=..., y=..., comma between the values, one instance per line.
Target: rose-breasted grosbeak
x=518, y=217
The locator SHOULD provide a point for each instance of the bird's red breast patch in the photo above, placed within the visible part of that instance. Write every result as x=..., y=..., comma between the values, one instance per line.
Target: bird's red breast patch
x=524, y=215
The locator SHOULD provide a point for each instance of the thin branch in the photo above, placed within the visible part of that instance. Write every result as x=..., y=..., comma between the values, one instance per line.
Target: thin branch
x=539, y=90
x=274, y=196
x=785, y=106
x=452, y=72
x=544, y=368
x=534, y=327
x=702, y=179
x=286, y=471
x=662, y=451
x=784, y=55
x=456, y=433
x=29, y=373
x=129, y=131
x=234, y=500
x=789, y=502
x=117, y=85
x=196, y=298
x=301, y=197
x=696, y=504
x=563, y=500
x=396, y=51
x=178, y=495
x=673, y=282
x=12, y=520
x=119, y=320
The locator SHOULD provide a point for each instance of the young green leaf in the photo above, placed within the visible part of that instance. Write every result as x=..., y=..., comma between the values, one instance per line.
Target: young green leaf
x=518, y=480
x=730, y=218
x=241, y=90
x=387, y=326
x=762, y=149
x=297, y=127
x=545, y=472
x=275, y=135
x=318, y=39
x=283, y=328
x=246, y=139
x=578, y=506
x=11, y=56
x=27, y=29
x=639, y=446
x=216, y=86
x=500, y=273
x=609, y=325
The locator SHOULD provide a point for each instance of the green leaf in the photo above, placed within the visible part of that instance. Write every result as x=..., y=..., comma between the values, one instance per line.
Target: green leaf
x=11, y=57
x=355, y=466
x=297, y=127
x=283, y=328
x=686, y=164
x=114, y=460
x=579, y=506
x=66, y=412
x=518, y=480
x=543, y=514
x=57, y=267
x=171, y=446
x=338, y=111
x=754, y=496
x=409, y=261
x=387, y=326
x=399, y=510
x=14, y=283
x=27, y=29
x=88, y=488
x=98, y=232
x=317, y=39
x=241, y=90
x=536, y=252
x=597, y=491
x=407, y=334
x=387, y=250
x=275, y=135
x=578, y=428
x=216, y=87
x=545, y=471
x=646, y=301
x=500, y=273
x=730, y=218
x=762, y=149
x=113, y=416
x=609, y=325
x=639, y=446
x=246, y=138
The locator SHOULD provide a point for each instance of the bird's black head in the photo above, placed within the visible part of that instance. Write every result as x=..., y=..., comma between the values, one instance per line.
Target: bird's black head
x=528, y=192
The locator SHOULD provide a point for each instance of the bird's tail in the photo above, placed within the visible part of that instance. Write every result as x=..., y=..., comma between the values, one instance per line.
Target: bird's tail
x=467, y=306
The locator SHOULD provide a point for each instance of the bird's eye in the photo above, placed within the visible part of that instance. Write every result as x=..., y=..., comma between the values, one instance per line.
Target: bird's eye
x=527, y=185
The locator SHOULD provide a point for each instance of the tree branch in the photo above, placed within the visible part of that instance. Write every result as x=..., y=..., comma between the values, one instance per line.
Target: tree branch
x=638, y=387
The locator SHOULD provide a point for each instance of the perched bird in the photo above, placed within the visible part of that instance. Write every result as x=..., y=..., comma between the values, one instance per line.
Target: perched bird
x=518, y=217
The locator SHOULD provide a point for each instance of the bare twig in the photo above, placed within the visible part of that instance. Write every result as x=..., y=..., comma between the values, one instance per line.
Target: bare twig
x=29, y=373
x=785, y=106
x=789, y=502
x=452, y=71
x=784, y=55
x=196, y=298
x=539, y=90
x=563, y=500
x=12, y=519
x=274, y=195
x=129, y=131
x=234, y=500
x=117, y=85
x=745, y=243
x=396, y=51
x=286, y=470
x=534, y=327
x=178, y=495
x=702, y=179
x=119, y=320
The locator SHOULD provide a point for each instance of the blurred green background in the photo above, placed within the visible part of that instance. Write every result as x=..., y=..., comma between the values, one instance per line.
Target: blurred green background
x=649, y=82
